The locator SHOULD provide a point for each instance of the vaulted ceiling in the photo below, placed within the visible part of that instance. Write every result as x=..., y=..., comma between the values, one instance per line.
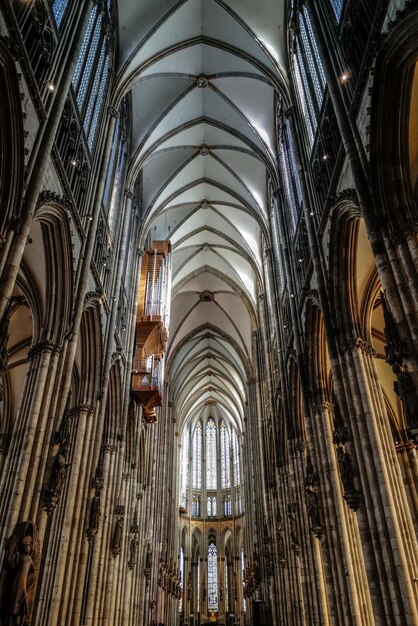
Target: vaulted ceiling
x=204, y=77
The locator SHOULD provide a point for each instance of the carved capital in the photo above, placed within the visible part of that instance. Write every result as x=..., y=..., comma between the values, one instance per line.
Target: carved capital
x=357, y=343
x=323, y=406
x=41, y=347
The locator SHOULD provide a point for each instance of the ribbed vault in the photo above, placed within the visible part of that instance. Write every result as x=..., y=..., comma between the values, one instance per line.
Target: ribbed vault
x=203, y=76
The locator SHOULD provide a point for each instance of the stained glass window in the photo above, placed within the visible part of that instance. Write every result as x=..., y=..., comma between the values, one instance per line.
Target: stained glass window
x=211, y=454
x=243, y=576
x=90, y=77
x=290, y=175
x=338, y=5
x=196, y=505
x=212, y=577
x=197, y=456
x=226, y=587
x=227, y=505
x=86, y=41
x=184, y=470
x=198, y=585
x=181, y=577
x=211, y=505
x=88, y=63
x=58, y=10
x=235, y=455
x=99, y=103
x=312, y=55
x=94, y=90
x=225, y=458
x=308, y=109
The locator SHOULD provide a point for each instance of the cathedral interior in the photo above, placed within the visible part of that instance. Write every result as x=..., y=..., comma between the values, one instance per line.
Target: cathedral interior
x=208, y=312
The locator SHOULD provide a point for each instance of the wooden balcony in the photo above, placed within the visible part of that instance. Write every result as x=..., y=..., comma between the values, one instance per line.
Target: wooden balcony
x=146, y=385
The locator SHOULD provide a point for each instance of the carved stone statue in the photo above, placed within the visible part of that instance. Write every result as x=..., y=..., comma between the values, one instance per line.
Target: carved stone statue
x=189, y=587
x=59, y=474
x=148, y=564
x=133, y=548
x=346, y=469
x=117, y=533
x=22, y=557
x=60, y=465
x=405, y=389
x=293, y=526
x=280, y=543
x=95, y=514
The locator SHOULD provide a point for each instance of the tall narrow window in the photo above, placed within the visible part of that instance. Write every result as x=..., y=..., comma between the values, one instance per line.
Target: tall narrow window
x=337, y=5
x=235, y=454
x=184, y=469
x=226, y=587
x=85, y=63
x=309, y=73
x=58, y=10
x=307, y=105
x=211, y=454
x=196, y=505
x=181, y=578
x=227, y=505
x=312, y=55
x=225, y=458
x=290, y=174
x=94, y=90
x=211, y=505
x=243, y=576
x=197, y=457
x=212, y=577
x=198, y=584
x=90, y=77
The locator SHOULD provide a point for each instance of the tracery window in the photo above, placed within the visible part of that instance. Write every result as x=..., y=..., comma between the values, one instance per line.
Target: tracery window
x=211, y=505
x=226, y=587
x=338, y=6
x=290, y=173
x=181, y=567
x=211, y=455
x=200, y=489
x=235, y=456
x=212, y=577
x=184, y=470
x=243, y=576
x=225, y=458
x=196, y=500
x=58, y=10
x=309, y=72
x=91, y=73
x=312, y=55
x=197, y=457
x=227, y=505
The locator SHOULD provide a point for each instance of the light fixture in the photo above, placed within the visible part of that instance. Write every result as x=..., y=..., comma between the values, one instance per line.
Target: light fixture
x=300, y=260
x=325, y=156
x=345, y=77
x=48, y=84
x=292, y=295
